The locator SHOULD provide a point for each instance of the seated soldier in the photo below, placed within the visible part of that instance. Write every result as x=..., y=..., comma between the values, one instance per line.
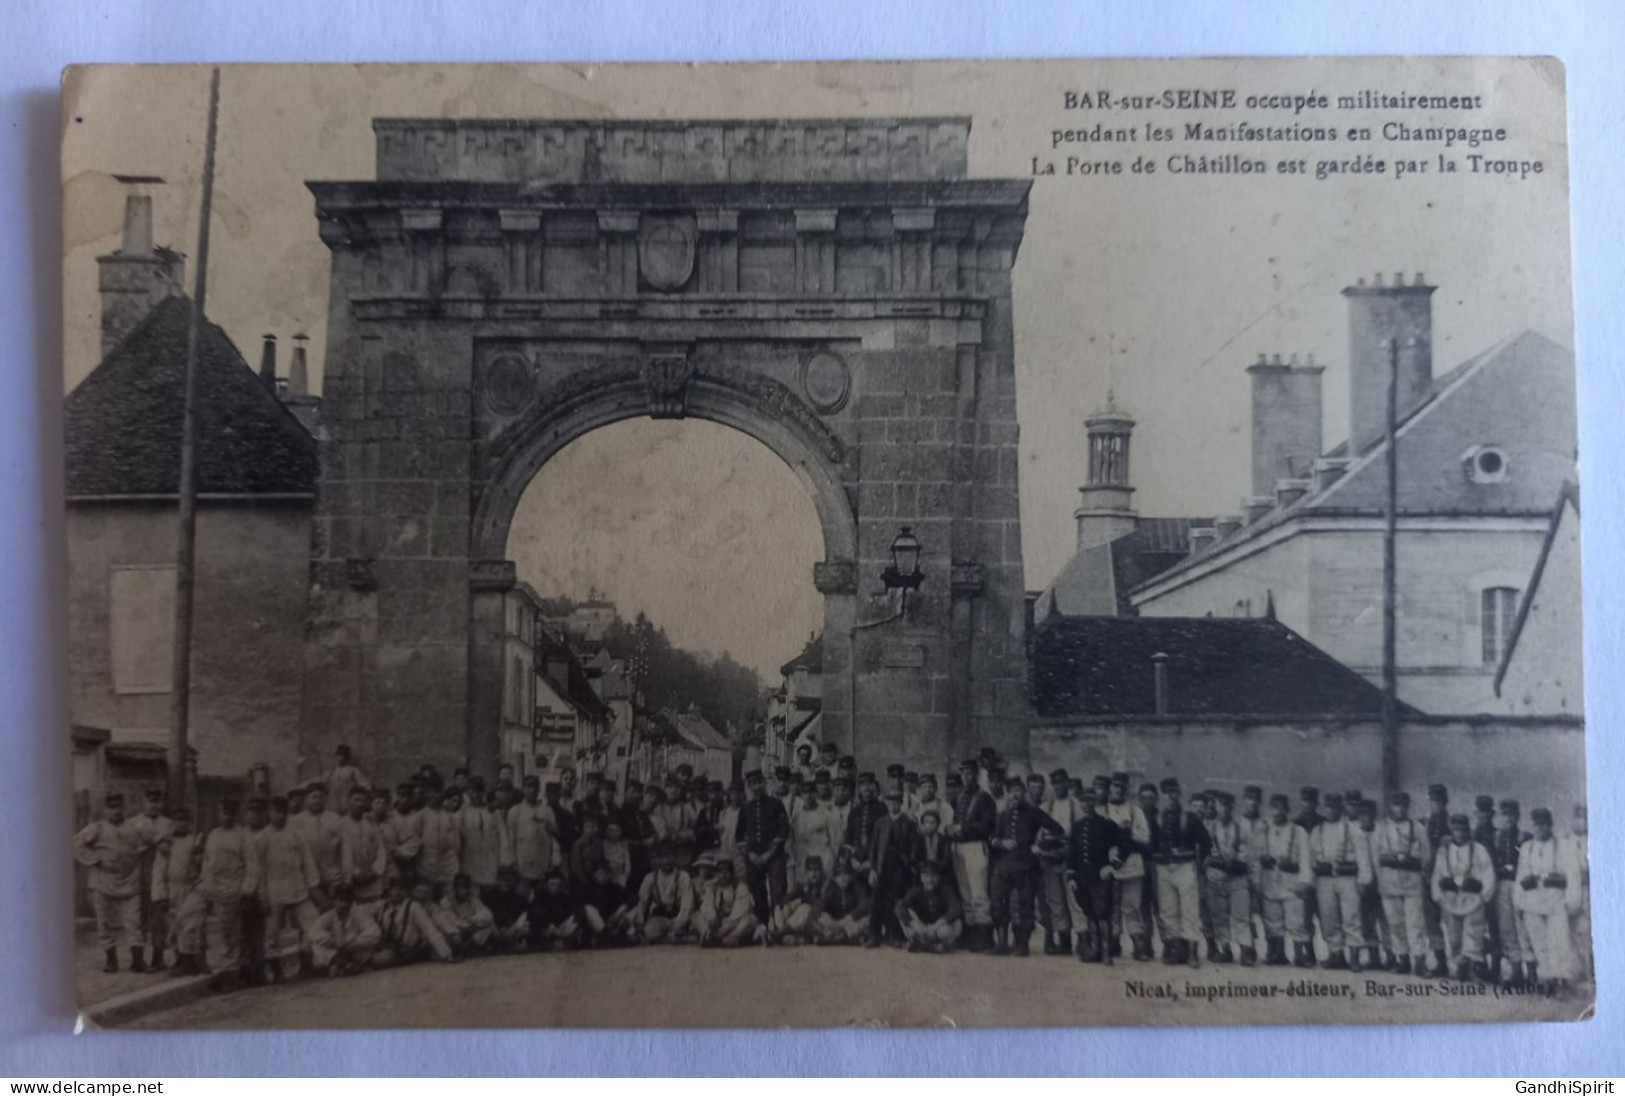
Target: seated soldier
x=510, y=917
x=410, y=933
x=727, y=917
x=666, y=903
x=930, y=913
x=843, y=908
x=792, y=920
x=466, y=921
x=704, y=873
x=606, y=909
x=345, y=939
x=553, y=922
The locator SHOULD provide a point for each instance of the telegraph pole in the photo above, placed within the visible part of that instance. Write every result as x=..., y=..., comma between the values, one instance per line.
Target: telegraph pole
x=186, y=552
x=1390, y=672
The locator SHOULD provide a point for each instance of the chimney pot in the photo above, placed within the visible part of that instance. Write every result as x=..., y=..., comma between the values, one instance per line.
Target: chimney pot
x=1359, y=281
x=1376, y=280
x=137, y=225
x=268, y=363
x=1419, y=280
x=1277, y=360
x=1159, y=678
x=1399, y=278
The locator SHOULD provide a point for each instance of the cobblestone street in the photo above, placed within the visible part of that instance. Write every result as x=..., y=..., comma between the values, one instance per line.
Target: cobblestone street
x=822, y=987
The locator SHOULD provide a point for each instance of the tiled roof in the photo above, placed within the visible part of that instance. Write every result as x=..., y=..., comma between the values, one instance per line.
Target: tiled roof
x=123, y=422
x=810, y=659
x=1097, y=580
x=1101, y=665
x=697, y=730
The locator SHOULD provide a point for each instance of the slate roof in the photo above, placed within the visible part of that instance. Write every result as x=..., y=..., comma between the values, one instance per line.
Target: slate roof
x=1101, y=665
x=1518, y=396
x=1097, y=580
x=810, y=659
x=698, y=731
x=576, y=688
x=123, y=422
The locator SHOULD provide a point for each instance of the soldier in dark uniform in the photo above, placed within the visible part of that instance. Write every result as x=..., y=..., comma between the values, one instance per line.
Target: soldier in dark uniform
x=1090, y=851
x=1014, y=879
x=1484, y=834
x=895, y=849
x=1179, y=844
x=972, y=825
x=1510, y=934
x=1308, y=818
x=763, y=832
x=858, y=839
x=929, y=912
x=639, y=831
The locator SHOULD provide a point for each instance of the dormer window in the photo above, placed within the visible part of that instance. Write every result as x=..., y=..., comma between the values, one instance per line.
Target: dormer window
x=1485, y=464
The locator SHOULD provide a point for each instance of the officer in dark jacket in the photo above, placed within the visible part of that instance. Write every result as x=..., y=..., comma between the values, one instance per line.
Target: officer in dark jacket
x=972, y=825
x=1090, y=851
x=1014, y=877
x=763, y=831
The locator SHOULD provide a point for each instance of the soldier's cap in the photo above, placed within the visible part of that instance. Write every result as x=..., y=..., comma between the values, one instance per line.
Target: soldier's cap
x=1438, y=791
x=804, y=746
x=1198, y=798
x=1310, y=793
x=1510, y=806
x=1353, y=796
x=706, y=860
x=1088, y=792
x=1541, y=816
x=632, y=783
x=554, y=873
x=1119, y=778
x=1368, y=806
x=508, y=871
x=673, y=780
x=894, y=770
x=929, y=867
x=315, y=786
x=534, y=781
x=114, y=799
x=1279, y=799
x=155, y=795
x=1014, y=782
x=813, y=860
x=929, y=778
x=822, y=776
x=754, y=777
x=893, y=795
x=715, y=786
x=1170, y=784
x=930, y=812
x=400, y=789
x=829, y=747
x=1101, y=780
x=1058, y=776
x=782, y=772
x=552, y=787
x=910, y=777
x=1400, y=797
x=970, y=764
x=987, y=751
x=866, y=778
x=1484, y=803
x=1148, y=787
x=847, y=762
x=256, y=802
x=1033, y=778
x=953, y=779
x=1227, y=798
x=843, y=782
x=1334, y=799
x=181, y=814
x=343, y=893
x=1460, y=822
x=1252, y=791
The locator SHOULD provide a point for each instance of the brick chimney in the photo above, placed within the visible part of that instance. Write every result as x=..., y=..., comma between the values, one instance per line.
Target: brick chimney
x=296, y=394
x=1286, y=420
x=1105, y=510
x=138, y=275
x=1378, y=316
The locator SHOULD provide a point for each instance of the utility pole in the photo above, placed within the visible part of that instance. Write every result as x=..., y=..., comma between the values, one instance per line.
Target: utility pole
x=186, y=552
x=1390, y=672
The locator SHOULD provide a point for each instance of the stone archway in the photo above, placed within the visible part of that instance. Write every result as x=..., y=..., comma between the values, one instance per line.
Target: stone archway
x=838, y=290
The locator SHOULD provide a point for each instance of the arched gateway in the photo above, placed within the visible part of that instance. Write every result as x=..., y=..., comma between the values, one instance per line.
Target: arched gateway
x=837, y=289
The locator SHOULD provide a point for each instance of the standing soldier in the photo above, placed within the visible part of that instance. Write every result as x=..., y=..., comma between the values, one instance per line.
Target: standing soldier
x=345, y=777
x=442, y=856
x=1402, y=859
x=1228, y=882
x=319, y=827
x=152, y=827
x=1463, y=878
x=532, y=836
x=288, y=879
x=895, y=850
x=1015, y=868
x=1128, y=870
x=858, y=840
x=973, y=821
x=1308, y=819
x=1548, y=886
x=1283, y=878
x=483, y=841
x=361, y=848
x=111, y=848
x=1580, y=908
x=1373, y=924
x=812, y=833
x=1179, y=842
x=1052, y=859
x=1510, y=933
x=1438, y=828
x=228, y=875
x=402, y=834
x=1339, y=870
x=927, y=800
x=763, y=831
x=174, y=891
x=1093, y=846
x=639, y=831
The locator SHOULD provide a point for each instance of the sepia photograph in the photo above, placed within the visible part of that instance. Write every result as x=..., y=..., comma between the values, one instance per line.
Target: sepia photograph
x=912, y=544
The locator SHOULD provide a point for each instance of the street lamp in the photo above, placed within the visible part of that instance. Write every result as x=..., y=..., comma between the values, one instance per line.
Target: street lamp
x=904, y=572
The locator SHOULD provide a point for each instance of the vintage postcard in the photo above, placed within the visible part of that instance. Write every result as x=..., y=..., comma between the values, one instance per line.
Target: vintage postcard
x=969, y=544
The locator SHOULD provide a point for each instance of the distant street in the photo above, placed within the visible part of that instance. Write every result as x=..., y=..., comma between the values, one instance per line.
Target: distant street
x=820, y=987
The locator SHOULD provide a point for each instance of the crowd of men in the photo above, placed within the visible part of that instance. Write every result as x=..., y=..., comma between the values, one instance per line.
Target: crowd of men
x=336, y=877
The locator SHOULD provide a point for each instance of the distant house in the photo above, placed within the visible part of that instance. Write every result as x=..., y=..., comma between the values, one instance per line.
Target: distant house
x=521, y=609
x=795, y=708
x=692, y=740
x=256, y=482
x=572, y=723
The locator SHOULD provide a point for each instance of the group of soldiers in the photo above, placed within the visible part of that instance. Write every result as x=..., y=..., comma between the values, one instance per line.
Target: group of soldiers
x=338, y=877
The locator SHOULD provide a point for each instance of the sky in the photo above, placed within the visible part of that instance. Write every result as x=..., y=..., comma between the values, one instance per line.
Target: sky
x=1161, y=289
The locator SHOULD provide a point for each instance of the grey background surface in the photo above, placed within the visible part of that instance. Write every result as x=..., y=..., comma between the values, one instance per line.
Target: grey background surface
x=36, y=1012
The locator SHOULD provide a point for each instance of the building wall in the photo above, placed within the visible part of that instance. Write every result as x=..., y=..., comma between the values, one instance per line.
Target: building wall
x=1541, y=762
x=1545, y=673
x=1327, y=586
x=248, y=631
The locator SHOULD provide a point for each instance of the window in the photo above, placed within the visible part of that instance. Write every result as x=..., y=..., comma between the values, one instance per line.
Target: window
x=1497, y=608
x=1485, y=464
x=141, y=625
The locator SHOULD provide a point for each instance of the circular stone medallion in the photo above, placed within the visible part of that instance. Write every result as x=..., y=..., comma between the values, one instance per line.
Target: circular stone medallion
x=826, y=381
x=509, y=384
x=666, y=254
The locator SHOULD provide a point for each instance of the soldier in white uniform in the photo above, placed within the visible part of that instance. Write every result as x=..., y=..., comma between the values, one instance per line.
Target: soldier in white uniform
x=1054, y=895
x=1463, y=884
x=1548, y=887
x=442, y=856
x=1402, y=855
x=1580, y=912
x=112, y=849
x=1128, y=870
x=532, y=836
x=1227, y=878
x=1284, y=876
x=1340, y=868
